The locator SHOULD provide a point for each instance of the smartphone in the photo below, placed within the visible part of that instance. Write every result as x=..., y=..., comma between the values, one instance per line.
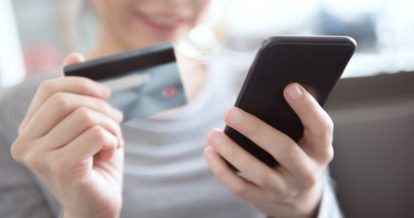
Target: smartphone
x=315, y=62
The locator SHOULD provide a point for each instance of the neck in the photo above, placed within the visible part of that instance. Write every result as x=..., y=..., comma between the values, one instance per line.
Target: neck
x=106, y=45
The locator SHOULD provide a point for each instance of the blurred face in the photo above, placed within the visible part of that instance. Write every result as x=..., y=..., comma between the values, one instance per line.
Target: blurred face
x=139, y=23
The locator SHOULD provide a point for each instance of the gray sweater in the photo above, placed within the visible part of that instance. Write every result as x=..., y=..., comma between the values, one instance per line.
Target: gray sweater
x=165, y=173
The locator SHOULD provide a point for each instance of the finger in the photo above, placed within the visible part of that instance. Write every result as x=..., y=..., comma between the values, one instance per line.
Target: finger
x=105, y=155
x=76, y=85
x=317, y=123
x=58, y=106
x=76, y=123
x=279, y=145
x=231, y=181
x=73, y=58
x=88, y=144
x=255, y=170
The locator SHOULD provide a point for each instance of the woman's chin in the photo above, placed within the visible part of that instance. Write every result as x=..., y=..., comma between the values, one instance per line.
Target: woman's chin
x=154, y=39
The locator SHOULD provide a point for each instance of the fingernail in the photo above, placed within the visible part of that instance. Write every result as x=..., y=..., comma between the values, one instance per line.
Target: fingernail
x=294, y=92
x=214, y=138
x=119, y=115
x=121, y=143
x=209, y=153
x=105, y=91
x=235, y=117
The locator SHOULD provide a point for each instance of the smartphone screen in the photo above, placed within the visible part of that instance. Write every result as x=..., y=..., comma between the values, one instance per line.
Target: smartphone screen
x=315, y=62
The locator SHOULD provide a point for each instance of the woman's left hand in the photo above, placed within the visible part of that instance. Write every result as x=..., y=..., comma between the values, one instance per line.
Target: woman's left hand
x=294, y=187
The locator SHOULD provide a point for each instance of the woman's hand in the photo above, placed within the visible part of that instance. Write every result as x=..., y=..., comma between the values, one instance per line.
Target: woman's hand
x=294, y=187
x=71, y=139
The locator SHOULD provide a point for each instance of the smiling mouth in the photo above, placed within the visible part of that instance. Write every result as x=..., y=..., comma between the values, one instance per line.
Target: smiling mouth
x=162, y=22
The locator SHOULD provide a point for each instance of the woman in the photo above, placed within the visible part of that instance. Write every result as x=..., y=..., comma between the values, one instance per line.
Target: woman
x=73, y=140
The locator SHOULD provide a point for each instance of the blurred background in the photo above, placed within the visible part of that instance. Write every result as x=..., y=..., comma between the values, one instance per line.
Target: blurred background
x=372, y=106
x=384, y=29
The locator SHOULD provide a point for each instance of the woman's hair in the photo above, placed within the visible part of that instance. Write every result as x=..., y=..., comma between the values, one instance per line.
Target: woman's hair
x=76, y=24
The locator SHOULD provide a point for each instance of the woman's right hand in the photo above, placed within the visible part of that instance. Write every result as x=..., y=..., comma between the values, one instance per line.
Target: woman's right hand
x=71, y=139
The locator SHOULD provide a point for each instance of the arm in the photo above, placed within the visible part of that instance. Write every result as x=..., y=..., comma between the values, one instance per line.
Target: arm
x=296, y=186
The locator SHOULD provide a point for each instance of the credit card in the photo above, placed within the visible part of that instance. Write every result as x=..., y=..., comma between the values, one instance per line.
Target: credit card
x=144, y=82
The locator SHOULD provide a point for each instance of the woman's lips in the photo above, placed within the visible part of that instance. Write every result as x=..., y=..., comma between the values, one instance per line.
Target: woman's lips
x=162, y=22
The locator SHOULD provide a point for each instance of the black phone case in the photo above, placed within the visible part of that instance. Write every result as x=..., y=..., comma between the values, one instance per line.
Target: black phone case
x=315, y=62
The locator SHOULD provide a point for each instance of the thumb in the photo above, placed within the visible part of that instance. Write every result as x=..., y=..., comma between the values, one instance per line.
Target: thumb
x=73, y=58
